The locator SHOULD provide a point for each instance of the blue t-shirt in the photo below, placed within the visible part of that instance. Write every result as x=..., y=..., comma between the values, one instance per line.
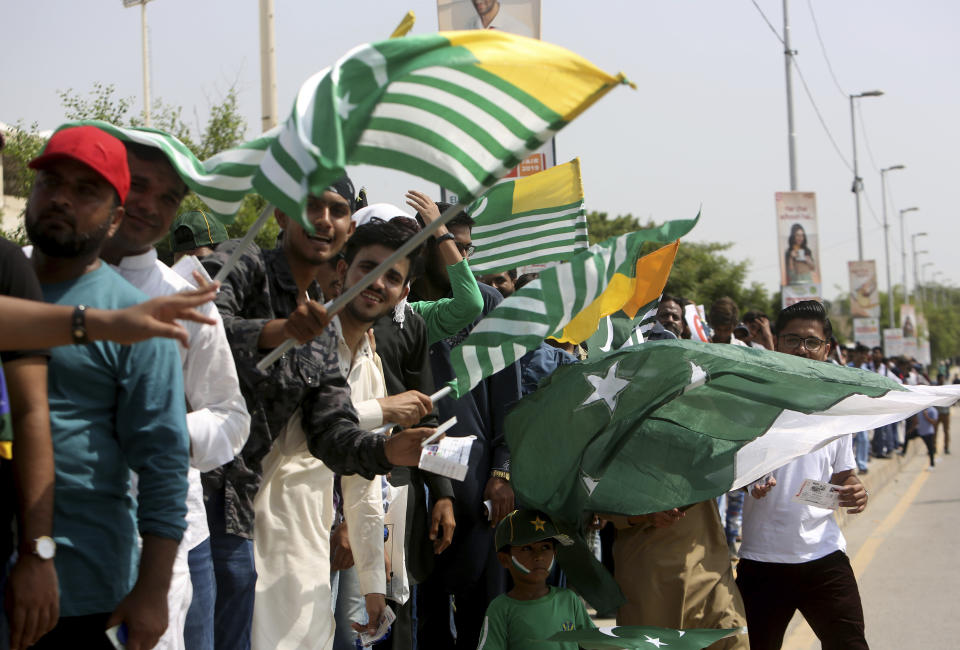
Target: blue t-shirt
x=925, y=428
x=113, y=408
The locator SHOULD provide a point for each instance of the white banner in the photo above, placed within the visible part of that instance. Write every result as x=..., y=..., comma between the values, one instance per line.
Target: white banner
x=892, y=342
x=793, y=293
x=864, y=294
x=867, y=331
x=798, y=241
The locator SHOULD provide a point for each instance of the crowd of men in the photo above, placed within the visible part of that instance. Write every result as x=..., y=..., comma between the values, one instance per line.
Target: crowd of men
x=201, y=502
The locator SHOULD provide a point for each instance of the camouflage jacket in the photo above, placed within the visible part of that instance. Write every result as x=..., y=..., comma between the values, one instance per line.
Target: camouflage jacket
x=259, y=289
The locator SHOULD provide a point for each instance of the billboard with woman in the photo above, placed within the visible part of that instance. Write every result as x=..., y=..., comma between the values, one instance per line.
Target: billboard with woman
x=799, y=245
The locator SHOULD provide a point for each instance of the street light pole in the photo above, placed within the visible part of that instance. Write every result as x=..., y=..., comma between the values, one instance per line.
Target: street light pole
x=913, y=246
x=146, y=56
x=886, y=236
x=268, y=68
x=857, y=181
x=788, y=65
x=903, y=253
x=923, y=281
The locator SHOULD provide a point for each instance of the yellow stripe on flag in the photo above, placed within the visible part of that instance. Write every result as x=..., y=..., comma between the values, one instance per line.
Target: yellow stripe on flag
x=560, y=185
x=405, y=25
x=624, y=293
x=557, y=77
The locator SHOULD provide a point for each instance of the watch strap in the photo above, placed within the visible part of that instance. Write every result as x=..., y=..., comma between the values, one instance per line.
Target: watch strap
x=447, y=236
x=78, y=325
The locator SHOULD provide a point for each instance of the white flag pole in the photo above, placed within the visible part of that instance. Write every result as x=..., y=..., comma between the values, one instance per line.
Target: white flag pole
x=244, y=244
x=335, y=306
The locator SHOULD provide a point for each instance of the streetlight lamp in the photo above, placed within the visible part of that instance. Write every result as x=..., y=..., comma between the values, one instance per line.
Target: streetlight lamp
x=146, y=56
x=903, y=252
x=886, y=236
x=857, y=181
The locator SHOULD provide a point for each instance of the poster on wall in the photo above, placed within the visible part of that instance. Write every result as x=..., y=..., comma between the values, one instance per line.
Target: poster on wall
x=867, y=331
x=864, y=293
x=798, y=240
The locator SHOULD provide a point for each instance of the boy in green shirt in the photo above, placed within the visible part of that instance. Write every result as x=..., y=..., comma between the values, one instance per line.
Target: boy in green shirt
x=532, y=610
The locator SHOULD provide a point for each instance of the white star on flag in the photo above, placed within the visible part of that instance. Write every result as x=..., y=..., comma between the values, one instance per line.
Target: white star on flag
x=654, y=641
x=606, y=388
x=698, y=377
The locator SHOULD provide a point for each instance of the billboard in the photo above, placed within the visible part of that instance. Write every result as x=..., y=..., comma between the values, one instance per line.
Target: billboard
x=908, y=321
x=793, y=293
x=892, y=342
x=515, y=16
x=867, y=331
x=864, y=293
x=799, y=245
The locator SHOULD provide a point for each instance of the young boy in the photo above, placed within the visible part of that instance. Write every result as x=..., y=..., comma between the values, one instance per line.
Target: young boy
x=532, y=610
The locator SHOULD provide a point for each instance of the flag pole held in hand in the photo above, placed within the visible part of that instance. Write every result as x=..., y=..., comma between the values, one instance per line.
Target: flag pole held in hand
x=440, y=394
x=244, y=244
x=335, y=306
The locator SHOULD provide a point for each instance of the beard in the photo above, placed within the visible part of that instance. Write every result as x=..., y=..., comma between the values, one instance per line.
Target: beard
x=60, y=244
x=363, y=316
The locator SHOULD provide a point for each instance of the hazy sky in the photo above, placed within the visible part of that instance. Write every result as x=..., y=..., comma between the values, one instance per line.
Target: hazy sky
x=707, y=124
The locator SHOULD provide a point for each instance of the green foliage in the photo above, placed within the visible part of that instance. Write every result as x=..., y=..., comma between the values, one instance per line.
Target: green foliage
x=100, y=105
x=225, y=128
x=600, y=227
x=23, y=144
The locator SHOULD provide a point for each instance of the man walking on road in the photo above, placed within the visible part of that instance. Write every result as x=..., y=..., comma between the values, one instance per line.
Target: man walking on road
x=793, y=555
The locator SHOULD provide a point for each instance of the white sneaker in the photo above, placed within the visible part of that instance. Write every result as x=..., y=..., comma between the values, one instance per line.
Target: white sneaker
x=930, y=469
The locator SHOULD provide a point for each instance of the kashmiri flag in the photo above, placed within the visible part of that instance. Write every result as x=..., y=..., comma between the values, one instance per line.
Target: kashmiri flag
x=531, y=220
x=671, y=423
x=620, y=330
x=568, y=301
x=639, y=636
x=460, y=109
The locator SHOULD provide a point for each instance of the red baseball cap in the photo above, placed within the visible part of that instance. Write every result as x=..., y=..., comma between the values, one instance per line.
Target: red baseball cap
x=96, y=149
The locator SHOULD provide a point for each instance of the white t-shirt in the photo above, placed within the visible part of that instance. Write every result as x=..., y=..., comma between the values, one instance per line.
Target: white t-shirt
x=778, y=529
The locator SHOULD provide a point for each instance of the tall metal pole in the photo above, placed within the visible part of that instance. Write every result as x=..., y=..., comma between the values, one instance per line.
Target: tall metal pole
x=146, y=63
x=856, y=178
x=268, y=67
x=903, y=253
x=886, y=246
x=886, y=234
x=788, y=65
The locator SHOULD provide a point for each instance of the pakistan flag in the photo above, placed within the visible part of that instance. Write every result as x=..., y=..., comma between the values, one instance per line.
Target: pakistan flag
x=671, y=423
x=635, y=636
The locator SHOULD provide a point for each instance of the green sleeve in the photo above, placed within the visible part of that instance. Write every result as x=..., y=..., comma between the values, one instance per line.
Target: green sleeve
x=447, y=316
x=493, y=634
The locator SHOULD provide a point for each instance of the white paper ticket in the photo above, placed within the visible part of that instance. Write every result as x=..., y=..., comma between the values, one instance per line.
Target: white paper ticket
x=386, y=620
x=450, y=457
x=817, y=493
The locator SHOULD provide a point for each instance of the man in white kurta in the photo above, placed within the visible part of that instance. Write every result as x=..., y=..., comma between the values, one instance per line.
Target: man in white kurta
x=217, y=417
x=294, y=509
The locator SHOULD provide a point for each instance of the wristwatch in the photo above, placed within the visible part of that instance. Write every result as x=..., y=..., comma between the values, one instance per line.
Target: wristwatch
x=445, y=237
x=44, y=547
x=499, y=473
x=78, y=326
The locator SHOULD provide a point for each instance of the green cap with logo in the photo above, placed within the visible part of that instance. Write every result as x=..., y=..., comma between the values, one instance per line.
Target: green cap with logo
x=195, y=229
x=526, y=526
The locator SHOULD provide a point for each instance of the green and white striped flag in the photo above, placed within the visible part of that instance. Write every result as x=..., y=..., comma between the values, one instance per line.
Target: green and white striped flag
x=457, y=108
x=619, y=330
x=568, y=301
x=671, y=423
x=221, y=181
x=531, y=220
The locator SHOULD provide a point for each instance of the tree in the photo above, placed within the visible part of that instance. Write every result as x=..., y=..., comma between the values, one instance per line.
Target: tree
x=601, y=228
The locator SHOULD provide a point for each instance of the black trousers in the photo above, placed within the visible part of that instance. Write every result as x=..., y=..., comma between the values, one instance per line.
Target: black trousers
x=77, y=632
x=824, y=590
x=929, y=441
